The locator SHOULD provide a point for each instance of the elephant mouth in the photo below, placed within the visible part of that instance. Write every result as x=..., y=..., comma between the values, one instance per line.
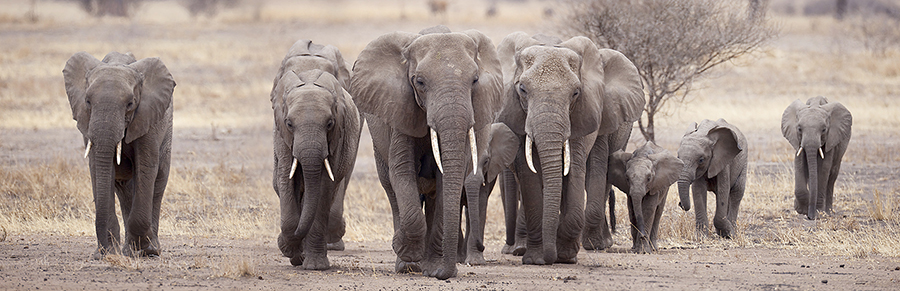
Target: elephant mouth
x=436, y=150
x=327, y=169
x=87, y=150
x=821, y=154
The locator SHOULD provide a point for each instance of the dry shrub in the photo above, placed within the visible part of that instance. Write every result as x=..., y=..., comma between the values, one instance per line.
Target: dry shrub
x=123, y=262
x=236, y=268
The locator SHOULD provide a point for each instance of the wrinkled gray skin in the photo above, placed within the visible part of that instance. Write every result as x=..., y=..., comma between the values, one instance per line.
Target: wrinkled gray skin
x=645, y=177
x=120, y=100
x=597, y=233
x=715, y=159
x=315, y=120
x=819, y=132
x=556, y=93
x=410, y=86
x=496, y=158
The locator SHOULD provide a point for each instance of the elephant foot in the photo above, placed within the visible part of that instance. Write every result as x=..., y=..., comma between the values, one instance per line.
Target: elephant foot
x=336, y=246
x=297, y=260
x=149, y=251
x=443, y=272
x=406, y=267
x=724, y=233
x=596, y=243
x=289, y=247
x=507, y=249
x=316, y=262
x=519, y=249
x=533, y=258
x=475, y=258
x=567, y=253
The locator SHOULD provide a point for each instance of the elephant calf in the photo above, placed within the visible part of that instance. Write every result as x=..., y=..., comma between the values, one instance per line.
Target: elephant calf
x=123, y=108
x=316, y=136
x=822, y=130
x=715, y=159
x=645, y=177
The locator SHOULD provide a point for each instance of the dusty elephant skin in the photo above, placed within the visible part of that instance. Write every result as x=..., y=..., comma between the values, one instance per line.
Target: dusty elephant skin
x=821, y=130
x=123, y=108
x=715, y=159
x=560, y=98
x=429, y=99
x=645, y=177
x=316, y=137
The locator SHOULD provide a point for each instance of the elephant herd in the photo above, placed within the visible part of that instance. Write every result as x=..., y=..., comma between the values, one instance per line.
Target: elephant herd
x=449, y=115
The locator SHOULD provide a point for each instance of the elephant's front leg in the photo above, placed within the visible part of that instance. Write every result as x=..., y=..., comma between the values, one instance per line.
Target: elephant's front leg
x=139, y=224
x=572, y=217
x=336, y=224
x=597, y=234
x=698, y=189
x=532, y=209
x=314, y=246
x=801, y=191
x=475, y=237
x=724, y=228
x=656, y=203
x=409, y=238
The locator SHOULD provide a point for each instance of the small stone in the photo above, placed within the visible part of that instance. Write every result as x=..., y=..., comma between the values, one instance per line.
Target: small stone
x=824, y=281
x=842, y=265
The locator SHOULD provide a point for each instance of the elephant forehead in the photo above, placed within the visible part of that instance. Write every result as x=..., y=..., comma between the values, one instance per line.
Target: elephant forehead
x=121, y=74
x=310, y=98
x=303, y=63
x=638, y=167
x=550, y=66
x=812, y=115
x=694, y=145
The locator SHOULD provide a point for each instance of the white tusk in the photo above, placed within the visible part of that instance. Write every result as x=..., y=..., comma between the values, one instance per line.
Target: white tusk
x=528, y=154
x=87, y=148
x=474, y=147
x=293, y=168
x=799, y=150
x=821, y=154
x=436, y=150
x=328, y=168
x=119, y=153
x=566, y=158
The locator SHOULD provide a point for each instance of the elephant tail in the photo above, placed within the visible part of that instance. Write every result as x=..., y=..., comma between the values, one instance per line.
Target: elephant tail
x=612, y=210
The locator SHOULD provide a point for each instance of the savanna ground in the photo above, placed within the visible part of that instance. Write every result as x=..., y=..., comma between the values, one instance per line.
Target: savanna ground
x=220, y=214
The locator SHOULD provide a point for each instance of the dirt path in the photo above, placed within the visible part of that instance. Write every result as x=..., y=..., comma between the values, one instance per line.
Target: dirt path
x=53, y=262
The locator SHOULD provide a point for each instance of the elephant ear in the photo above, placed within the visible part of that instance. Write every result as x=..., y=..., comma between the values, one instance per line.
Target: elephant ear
x=789, y=120
x=156, y=97
x=839, y=122
x=75, y=75
x=666, y=168
x=502, y=150
x=512, y=113
x=617, y=168
x=379, y=85
x=725, y=149
x=487, y=91
x=612, y=90
x=283, y=86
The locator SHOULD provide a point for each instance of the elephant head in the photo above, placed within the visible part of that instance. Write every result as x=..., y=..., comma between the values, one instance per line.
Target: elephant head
x=314, y=116
x=650, y=170
x=706, y=149
x=817, y=128
x=114, y=101
x=440, y=83
x=556, y=91
x=306, y=55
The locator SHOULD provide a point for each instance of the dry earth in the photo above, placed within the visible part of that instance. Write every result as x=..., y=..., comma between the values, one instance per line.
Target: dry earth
x=220, y=213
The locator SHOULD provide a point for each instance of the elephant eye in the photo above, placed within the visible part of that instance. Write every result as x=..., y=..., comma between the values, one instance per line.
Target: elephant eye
x=419, y=81
x=289, y=123
x=330, y=124
x=475, y=80
x=522, y=90
x=577, y=92
x=700, y=161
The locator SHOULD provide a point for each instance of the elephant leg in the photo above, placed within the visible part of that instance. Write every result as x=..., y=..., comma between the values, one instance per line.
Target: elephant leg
x=124, y=192
x=510, y=197
x=801, y=191
x=723, y=195
x=409, y=238
x=140, y=221
x=660, y=202
x=291, y=246
x=521, y=232
x=336, y=224
x=737, y=194
x=162, y=180
x=572, y=217
x=829, y=188
x=698, y=188
x=597, y=234
x=474, y=255
x=532, y=206
x=825, y=175
x=434, y=234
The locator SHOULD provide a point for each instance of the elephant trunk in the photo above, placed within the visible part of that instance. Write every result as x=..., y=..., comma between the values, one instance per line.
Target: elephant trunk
x=103, y=154
x=473, y=198
x=684, y=185
x=638, y=211
x=311, y=153
x=550, y=151
x=455, y=157
x=813, y=182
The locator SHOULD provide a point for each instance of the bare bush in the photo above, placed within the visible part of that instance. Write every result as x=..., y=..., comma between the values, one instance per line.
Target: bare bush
x=117, y=8
x=671, y=42
x=877, y=33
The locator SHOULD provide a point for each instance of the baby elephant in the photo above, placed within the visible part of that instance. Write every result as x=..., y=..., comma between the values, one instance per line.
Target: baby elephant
x=715, y=159
x=316, y=136
x=645, y=176
x=822, y=131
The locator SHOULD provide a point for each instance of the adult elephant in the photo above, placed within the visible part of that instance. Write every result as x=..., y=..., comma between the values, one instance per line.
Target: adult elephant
x=715, y=159
x=123, y=108
x=304, y=55
x=429, y=99
x=560, y=97
x=821, y=130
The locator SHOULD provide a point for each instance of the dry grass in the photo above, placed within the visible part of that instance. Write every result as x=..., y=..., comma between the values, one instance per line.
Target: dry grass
x=224, y=68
